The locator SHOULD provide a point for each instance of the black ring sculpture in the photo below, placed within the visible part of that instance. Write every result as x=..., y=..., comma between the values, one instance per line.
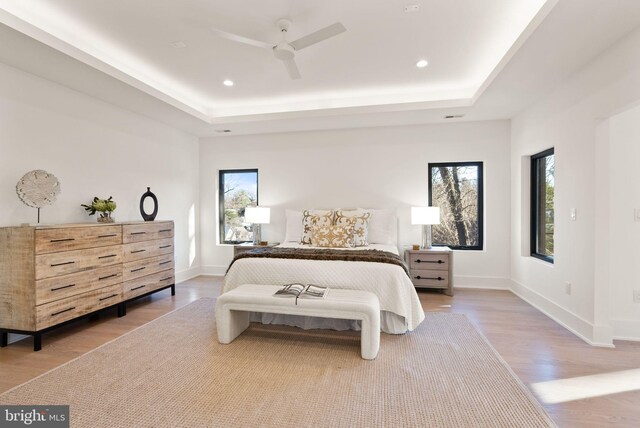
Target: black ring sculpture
x=145, y=195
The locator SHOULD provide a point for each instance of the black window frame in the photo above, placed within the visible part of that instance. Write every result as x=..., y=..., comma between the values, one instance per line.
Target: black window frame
x=221, y=174
x=535, y=220
x=480, y=205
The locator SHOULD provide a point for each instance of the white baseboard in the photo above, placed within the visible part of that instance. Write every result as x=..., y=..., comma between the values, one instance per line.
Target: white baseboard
x=626, y=329
x=482, y=282
x=572, y=322
x=213, y=270
x=187, y=274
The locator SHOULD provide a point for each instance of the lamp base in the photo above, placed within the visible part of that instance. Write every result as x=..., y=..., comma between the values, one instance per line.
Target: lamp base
x=426, y=237
x=256, y=234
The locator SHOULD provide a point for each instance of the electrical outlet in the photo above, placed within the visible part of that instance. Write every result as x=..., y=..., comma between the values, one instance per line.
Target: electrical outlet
x=574, y=214
x=567, y=287
x=636, y=296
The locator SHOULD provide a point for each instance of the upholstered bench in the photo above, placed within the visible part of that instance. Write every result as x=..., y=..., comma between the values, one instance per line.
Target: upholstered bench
x=233, y=307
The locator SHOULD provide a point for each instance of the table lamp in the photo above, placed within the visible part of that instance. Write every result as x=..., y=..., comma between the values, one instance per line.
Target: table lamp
x=426, y=216
x=257, y=216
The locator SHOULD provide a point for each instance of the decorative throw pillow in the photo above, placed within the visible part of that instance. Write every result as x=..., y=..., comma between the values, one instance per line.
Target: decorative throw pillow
x=332, y=236
x=311, y=218
x=360, y=220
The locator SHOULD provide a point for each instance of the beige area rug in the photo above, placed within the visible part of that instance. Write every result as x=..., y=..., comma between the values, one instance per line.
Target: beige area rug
x=172, y=372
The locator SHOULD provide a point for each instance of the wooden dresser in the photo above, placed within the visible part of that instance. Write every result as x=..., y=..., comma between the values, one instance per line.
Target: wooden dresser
x=431, y=268
x=53, y=274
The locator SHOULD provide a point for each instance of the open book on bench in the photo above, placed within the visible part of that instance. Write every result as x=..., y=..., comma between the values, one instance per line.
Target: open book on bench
x=302, y=291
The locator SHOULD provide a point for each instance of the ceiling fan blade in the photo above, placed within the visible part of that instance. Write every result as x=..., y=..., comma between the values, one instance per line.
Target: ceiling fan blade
x=318, y=36
x=292, y=69
x=241, y=39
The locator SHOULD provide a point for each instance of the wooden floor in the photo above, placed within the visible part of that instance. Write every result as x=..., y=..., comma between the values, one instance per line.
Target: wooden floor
x=537, y=349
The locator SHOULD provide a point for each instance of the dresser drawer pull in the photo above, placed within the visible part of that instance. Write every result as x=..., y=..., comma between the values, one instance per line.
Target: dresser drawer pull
x=138, y=251
x=164, y=279
x=62, y=264
x=165, y=246
x=108, y=297
x=138, y=233
x=430, y=261
x=107, y=257
x=164, y=263
x=164, y=230
x=424, y=277
x=138, y=288
x=63, y=287
x=108, y=236
x=62, y=240
x=108, y=276
x=62, y=312
x=139, y=269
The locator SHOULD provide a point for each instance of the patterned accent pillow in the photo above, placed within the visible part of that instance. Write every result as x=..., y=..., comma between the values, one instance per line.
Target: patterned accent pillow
x=360, y=220
x=332, y=236
x=311, y=218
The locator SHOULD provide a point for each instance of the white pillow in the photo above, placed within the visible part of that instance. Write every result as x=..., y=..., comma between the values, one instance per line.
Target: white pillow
x=383, y=227
x=293, y=226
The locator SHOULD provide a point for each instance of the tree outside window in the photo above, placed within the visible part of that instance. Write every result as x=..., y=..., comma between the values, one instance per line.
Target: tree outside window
x=456, y=187
x=238, y=190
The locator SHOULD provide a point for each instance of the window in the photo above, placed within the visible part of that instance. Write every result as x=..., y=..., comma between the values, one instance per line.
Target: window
x=456, y=187
x=238, y=190
x=542, y=207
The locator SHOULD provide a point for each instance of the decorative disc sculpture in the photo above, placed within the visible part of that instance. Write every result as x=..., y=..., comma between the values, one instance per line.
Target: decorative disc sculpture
x=145, y=195
x=37, y=189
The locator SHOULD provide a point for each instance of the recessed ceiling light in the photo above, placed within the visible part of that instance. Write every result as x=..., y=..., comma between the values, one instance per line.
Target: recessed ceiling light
x=178, y=45
x=422, y=63
x=228, y=82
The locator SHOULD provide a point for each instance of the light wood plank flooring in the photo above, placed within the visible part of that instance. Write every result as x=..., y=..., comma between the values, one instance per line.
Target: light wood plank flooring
x=536, y=348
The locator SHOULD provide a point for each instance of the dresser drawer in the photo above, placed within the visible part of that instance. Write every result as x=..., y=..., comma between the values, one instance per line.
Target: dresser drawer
x=60, y=287
x=148, y=283
x=429, y=261
x=76, y=238
x=54, y=264
x=142, y=250
x=65, y=309
x=148, y=266
x=430, y=278
x=146, y=231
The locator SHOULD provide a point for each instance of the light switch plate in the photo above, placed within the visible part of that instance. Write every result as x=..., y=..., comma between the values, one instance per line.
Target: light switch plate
x=574, y=214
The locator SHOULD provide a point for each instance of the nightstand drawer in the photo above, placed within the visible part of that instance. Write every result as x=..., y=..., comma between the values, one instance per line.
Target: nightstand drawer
x=429, y=261
x=430, y=278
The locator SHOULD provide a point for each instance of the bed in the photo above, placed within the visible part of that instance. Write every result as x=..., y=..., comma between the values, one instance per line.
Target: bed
x=401, y=310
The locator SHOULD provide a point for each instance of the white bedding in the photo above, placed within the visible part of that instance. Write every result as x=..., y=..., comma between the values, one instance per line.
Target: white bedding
x=400, y=307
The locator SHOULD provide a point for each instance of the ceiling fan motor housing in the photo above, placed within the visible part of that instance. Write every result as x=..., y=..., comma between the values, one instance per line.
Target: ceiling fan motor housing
x=283, y=51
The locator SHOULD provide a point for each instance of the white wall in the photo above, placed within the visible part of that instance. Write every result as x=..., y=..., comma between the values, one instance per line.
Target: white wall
x=570, y=119
x=373, y=168
x=624, y=188
x=95, y=149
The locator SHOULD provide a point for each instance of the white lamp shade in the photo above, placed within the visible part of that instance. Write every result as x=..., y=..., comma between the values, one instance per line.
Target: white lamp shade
x=425, y=215
x=257, y=215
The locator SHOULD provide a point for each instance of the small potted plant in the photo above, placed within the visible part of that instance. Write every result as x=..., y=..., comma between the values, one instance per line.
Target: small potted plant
x=104, y=206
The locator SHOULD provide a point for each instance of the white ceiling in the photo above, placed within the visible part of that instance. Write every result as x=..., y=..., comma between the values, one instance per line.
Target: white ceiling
x=488, y=59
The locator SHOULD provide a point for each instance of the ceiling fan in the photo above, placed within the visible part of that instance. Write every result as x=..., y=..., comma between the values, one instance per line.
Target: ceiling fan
x=286, y=51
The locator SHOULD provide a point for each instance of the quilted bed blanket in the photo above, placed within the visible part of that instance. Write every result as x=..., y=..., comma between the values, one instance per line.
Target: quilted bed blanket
x=380, y=272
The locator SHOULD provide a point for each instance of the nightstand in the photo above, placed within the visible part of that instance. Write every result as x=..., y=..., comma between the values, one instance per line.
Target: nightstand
x=241, y=248
x=431, y=268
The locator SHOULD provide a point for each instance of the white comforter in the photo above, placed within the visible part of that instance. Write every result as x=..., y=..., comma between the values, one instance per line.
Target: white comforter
x=399, y=303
